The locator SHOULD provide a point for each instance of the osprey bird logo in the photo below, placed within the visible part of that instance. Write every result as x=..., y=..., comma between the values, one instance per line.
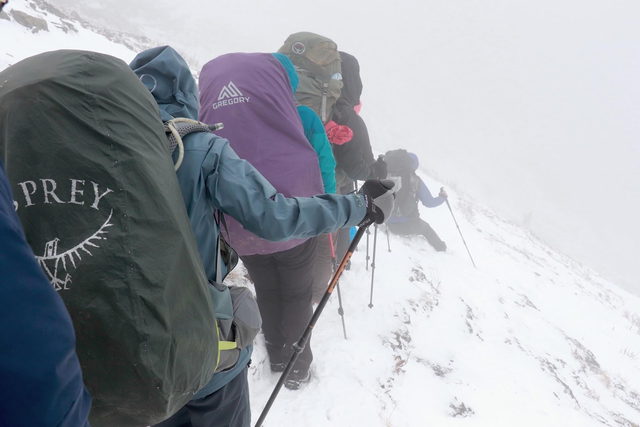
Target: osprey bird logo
x=53, y=263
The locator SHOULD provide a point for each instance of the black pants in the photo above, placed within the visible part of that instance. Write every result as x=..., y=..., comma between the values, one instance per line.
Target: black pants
x=322, y=267
x=418, y=226
x=227, y=407
x=284, y=282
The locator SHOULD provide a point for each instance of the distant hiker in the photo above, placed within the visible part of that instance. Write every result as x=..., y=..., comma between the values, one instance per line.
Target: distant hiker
x=353, y=155
x=213, y=178
x=350, y=140
x=405, y=219
x=330, y=84
x=40, y=377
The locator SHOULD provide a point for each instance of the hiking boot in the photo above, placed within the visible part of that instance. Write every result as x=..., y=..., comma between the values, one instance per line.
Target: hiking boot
x=278, y=367
x=296, y=378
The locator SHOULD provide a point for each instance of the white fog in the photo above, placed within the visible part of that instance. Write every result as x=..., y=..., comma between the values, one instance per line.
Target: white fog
x=529, y=107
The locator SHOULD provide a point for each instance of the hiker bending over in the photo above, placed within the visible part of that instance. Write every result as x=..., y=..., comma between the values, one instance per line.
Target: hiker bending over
x=405, y=219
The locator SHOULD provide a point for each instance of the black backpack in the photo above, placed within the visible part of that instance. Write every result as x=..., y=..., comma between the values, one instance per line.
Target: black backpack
x=400, y=170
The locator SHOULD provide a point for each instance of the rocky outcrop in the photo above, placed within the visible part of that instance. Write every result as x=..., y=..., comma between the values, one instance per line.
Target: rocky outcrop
x=26, y=20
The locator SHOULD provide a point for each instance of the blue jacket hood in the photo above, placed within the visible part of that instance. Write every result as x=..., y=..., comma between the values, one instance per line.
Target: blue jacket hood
x=168, y=77
x=415, y=161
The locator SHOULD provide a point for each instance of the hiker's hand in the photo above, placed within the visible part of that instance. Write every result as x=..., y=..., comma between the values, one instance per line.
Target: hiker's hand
x=379, y=168
x=443, y=194
x=379, y=199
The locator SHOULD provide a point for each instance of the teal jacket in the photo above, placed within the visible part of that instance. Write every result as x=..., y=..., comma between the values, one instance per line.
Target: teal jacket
x=317, y=137
x=313, y=131
x=212, y=177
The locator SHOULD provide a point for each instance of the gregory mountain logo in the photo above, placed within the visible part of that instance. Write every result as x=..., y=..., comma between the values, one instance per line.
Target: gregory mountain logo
x=44, y=193
x=229, y=91
x=229, y=95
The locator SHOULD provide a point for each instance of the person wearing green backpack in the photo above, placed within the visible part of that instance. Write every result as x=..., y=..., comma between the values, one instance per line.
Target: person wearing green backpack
x=213, y=178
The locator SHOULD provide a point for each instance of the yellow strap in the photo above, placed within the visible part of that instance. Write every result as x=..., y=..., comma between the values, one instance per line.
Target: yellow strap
x=218, y=336
x=227, y=345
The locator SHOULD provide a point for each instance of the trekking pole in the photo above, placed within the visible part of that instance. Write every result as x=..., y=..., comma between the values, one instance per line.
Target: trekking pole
x=302, y=342
x=334, y=262
x=460, y=231
x=388, y=242
x=366, y=266
x=373, y=262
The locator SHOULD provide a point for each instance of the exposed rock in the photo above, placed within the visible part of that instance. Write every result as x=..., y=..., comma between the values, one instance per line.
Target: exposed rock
x=49, y=8
x=66, y=26
x=26, y=20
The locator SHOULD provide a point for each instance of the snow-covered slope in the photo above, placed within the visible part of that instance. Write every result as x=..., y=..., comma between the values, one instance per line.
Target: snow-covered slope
x=29, y=29
x=530, y=338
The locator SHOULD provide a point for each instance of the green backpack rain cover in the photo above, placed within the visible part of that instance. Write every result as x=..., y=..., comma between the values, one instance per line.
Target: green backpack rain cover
x=95, y=189
x=317, y=62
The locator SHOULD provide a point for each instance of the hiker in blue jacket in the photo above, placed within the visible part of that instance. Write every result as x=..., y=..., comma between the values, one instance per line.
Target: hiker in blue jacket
x=40, y=378
x=213, y=178
x=405, y=219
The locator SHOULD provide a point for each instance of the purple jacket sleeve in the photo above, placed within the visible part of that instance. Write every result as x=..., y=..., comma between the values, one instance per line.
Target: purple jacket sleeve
x=426, y=198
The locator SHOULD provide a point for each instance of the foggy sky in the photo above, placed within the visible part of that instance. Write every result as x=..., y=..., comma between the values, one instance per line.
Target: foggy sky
x=529, y=107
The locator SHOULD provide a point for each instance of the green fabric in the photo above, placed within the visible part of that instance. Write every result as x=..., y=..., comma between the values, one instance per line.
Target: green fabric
x=96, y=192
x=315, y=53
x=228, y=345
x=317, y=62
x=317, y=137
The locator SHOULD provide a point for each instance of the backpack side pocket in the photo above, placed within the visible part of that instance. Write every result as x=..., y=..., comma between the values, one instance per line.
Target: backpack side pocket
x=246, y=315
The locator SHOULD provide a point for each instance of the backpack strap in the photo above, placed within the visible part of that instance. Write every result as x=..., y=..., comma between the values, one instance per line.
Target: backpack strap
x=224, y=253
x=178, y=128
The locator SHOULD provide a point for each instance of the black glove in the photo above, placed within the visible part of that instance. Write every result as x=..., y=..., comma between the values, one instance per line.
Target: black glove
x=379, y=169
x=379, y=199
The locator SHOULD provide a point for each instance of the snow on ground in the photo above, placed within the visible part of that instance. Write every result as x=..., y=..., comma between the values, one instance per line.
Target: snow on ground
x=529, y=338
x=19, y=42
